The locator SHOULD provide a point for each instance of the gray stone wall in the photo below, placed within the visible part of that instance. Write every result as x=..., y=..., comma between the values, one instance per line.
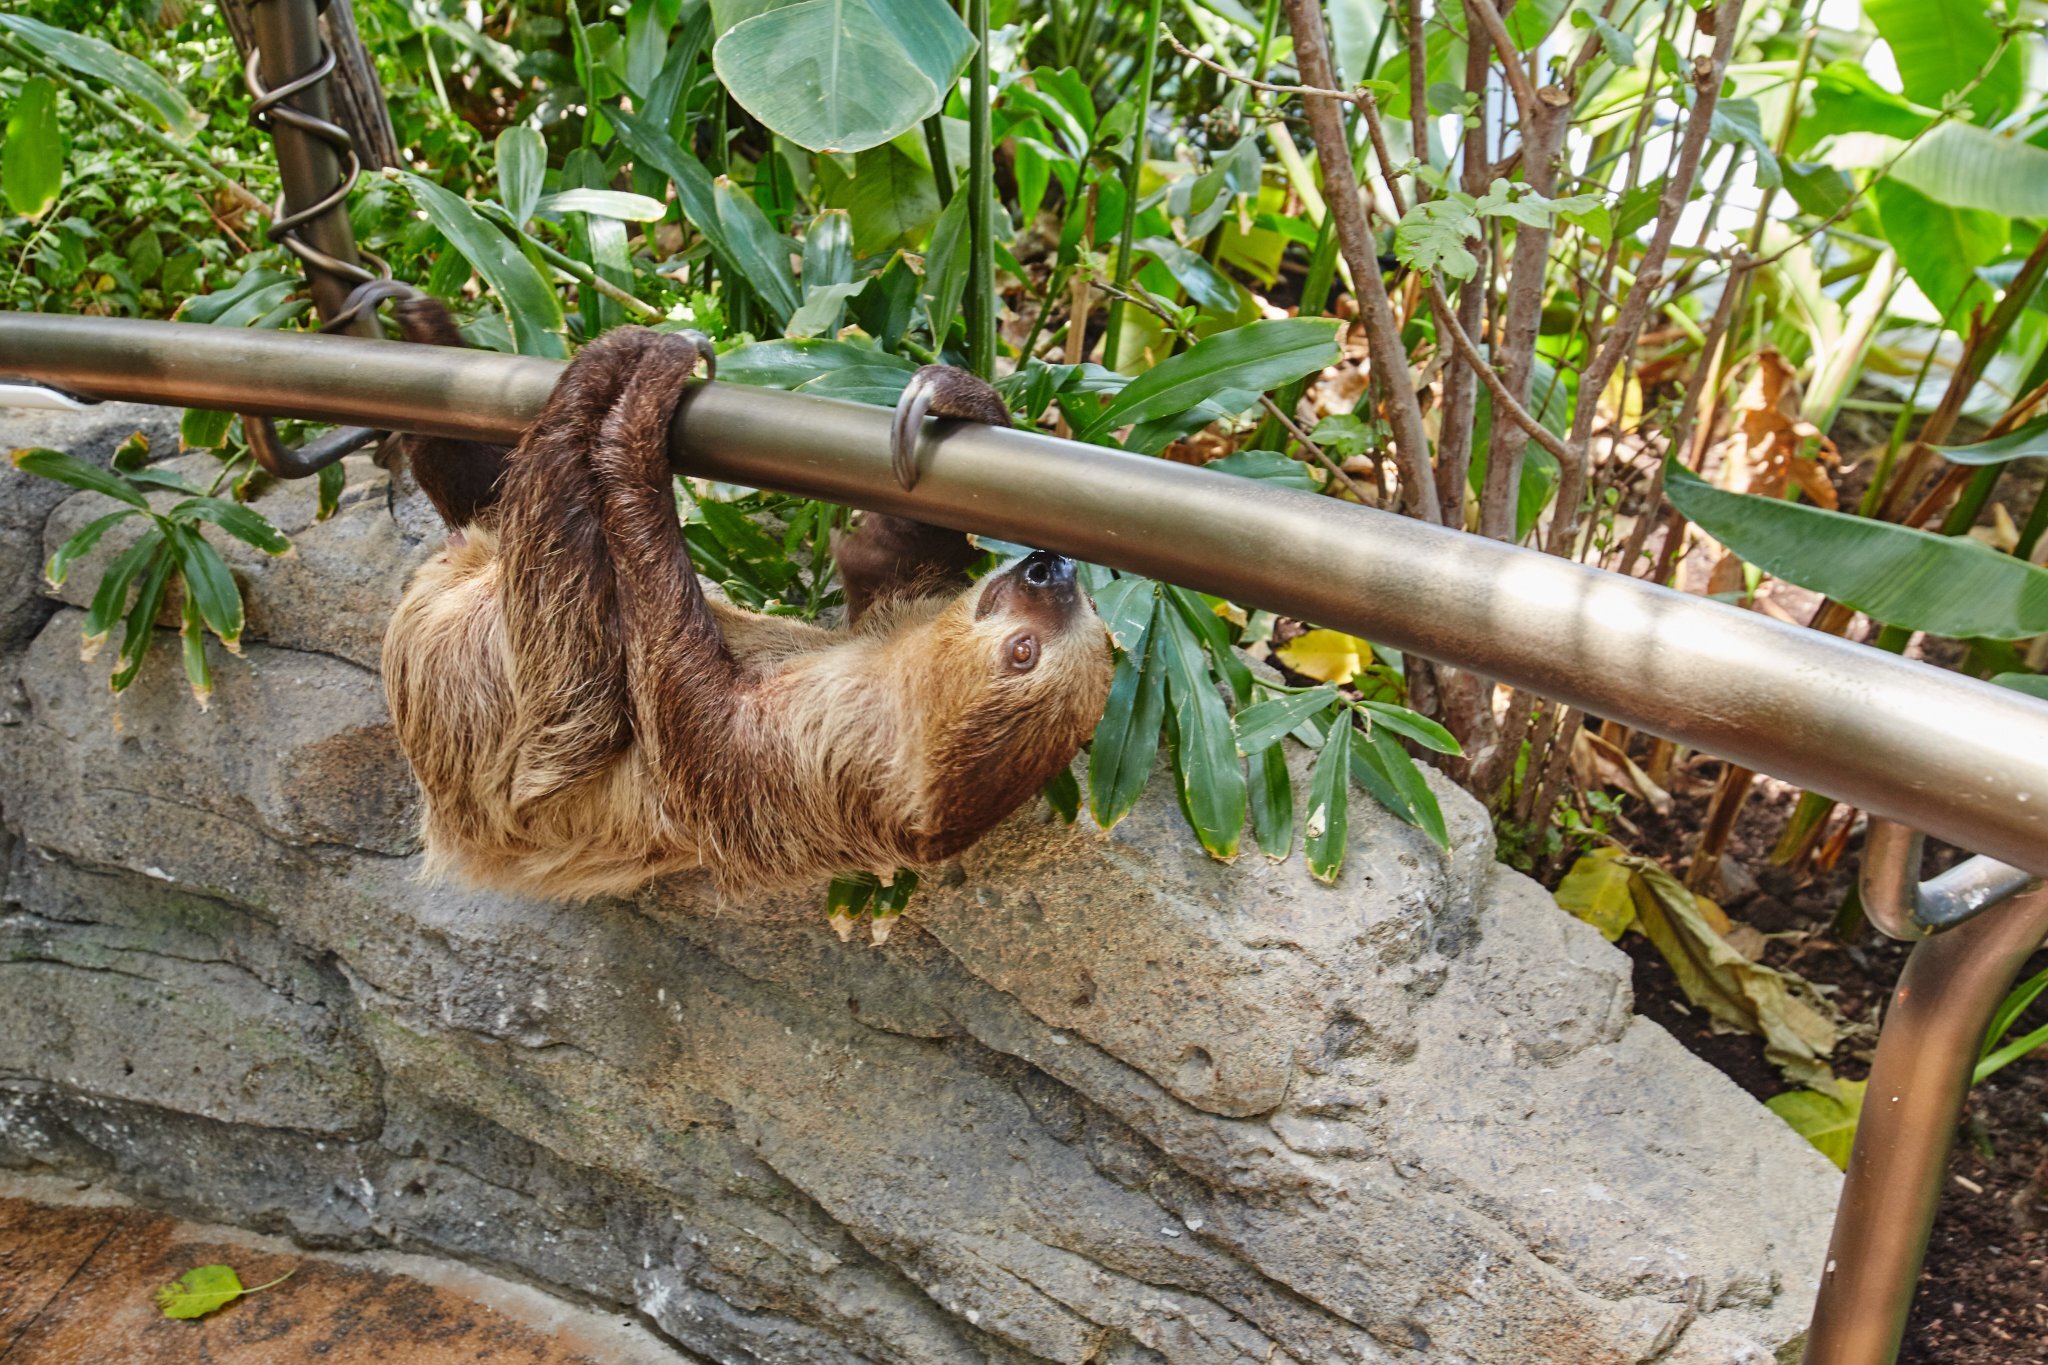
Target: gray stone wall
x=1097, y=1099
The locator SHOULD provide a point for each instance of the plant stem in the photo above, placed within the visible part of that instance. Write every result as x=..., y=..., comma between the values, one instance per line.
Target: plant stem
x=1133, y=164
x=935, y=148
x=981, y=180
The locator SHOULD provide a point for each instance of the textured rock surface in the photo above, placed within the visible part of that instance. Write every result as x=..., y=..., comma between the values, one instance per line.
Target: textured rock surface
x=1098, y=1099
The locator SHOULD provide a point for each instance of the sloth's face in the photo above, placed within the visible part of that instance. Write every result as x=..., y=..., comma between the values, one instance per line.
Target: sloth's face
x=1028, y=672
x=1035, y=605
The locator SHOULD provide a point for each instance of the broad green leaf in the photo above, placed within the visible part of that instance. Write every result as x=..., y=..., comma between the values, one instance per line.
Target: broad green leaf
x=1740, y=120
x=878, y=386
x=204, y=429
x=945, y=268
x=1263, y=724
x=1404, y=722
x=2018, y=444
x=32, y=159
x=1966, y=167
x=1126, y=743
x=1827, y=1121
x=332, y=480
x=1063, y=794
x=786, y=364
x=1353, y=26
x=1206, y=765
x=1272, y=801
x=1945, y=585
x=823, y=311
x=110, y=599
x=209, y=583
x=1256, y=357
x=1597, y=890
x=522, y=163
x=1818, y=189
x=1940, y=245
x=139, y=626
x=130, y=76
x=1847, y=100
x=1204, y=283
x=1941, y=45
x=81, y=544
x=200, y=1291
x=891, y=199
x=1267, y=466
x=192, y=640
x=531, y=308
x=890, y=899
x=848, y=897
x=758, y=249
x=243, y=523
x=242, y=302
x=627, y=208
x=2033, y=684
x=840, y=75
x=1530, y=21
x=1329, y=801
x=69, y=469
x=1431, y=237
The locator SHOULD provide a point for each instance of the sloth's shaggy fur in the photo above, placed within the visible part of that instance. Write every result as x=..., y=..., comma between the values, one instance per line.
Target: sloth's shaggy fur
x=582, y=717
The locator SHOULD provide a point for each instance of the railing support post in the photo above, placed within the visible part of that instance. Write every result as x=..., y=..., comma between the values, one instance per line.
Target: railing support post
x=1932, y=1036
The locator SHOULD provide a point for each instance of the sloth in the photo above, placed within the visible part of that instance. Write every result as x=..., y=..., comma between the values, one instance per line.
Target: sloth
x=582, y=716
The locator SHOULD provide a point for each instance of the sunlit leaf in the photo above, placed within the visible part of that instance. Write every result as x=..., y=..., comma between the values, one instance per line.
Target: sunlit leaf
x=1941, y=45
x=1328, y=656
x=1596, y=890
x=1827, y=1121
x=32, y=158
x=629, y=208
x=522, y=162
x=124, y=74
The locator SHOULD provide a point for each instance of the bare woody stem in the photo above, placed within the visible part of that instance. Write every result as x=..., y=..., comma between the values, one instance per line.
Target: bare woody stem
x=1635, y=305
x=1354, y=240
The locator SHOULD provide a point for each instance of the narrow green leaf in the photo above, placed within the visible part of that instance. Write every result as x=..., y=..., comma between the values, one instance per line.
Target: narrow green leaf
x=1946, y=585
x=209, y=583
x=69, y=469
x=1419, y=728
x=81, y=544
x=627, y=208
x=32, y=158
x=531, y=308
x=139, y=626
x=1329, y=801
x=110, y=599
x=1214, y=634
x=1267, y=466
x=243, y=523
x=1253, y=358
x=1263, y=724
x=1126, y=744
x=1272, y=798
x=522, y=163
x=760, y=251
x=168, y=480
x=850, y=895
x=333, y=480
x=192, y=637
x=130, y=76
x=1211, y=776
x=2031, y=439
x=1063, y=794
x=1398, y=784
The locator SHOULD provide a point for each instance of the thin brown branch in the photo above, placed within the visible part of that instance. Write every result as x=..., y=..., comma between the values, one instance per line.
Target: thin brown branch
x=1240, y=79
x=1519, y=414
x=1635, y=305
x=1510, y=56
x=1354, y=239
x=1418, y=94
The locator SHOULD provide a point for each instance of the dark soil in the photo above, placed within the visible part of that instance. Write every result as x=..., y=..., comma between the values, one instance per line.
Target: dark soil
x=1983, y=1297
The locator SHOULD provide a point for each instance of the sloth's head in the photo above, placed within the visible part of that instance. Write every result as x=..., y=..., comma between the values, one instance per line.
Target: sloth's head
x=1021, y=671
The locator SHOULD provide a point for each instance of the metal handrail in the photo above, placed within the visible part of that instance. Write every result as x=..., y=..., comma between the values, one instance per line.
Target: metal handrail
x=1955, y=757
x=1904, y=907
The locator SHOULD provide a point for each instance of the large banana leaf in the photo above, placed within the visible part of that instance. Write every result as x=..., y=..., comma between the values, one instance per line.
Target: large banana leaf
x=1966, y=167
x=1946, y=585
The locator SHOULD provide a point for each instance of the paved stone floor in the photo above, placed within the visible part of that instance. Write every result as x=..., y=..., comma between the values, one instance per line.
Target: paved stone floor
x=77, y=1280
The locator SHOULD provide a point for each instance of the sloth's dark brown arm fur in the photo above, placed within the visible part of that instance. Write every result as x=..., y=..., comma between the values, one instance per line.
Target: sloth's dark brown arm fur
x=461, y=478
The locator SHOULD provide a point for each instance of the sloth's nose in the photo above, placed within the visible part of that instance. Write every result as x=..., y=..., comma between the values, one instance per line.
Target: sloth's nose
x=1042, y=569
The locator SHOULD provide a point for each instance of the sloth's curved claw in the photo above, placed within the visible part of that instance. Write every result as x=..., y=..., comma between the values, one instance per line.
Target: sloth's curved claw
x=909, y=421
x=707, y=351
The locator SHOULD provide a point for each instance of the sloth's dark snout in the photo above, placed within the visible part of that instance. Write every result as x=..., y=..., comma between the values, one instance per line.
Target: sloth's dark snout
x=1043, y=570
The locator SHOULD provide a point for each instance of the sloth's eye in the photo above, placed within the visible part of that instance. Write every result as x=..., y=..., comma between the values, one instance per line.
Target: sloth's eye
x=1022, y=653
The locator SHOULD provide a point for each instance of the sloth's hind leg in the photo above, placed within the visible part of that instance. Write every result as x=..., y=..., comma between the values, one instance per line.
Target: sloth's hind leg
x=887, y=556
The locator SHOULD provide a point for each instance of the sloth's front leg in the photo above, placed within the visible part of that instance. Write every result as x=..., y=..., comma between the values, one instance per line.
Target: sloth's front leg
x=889, y=557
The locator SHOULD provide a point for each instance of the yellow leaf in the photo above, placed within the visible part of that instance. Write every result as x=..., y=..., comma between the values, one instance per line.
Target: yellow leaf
x=1826, y=1120
x=1596, y=890
x=1328, y=656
